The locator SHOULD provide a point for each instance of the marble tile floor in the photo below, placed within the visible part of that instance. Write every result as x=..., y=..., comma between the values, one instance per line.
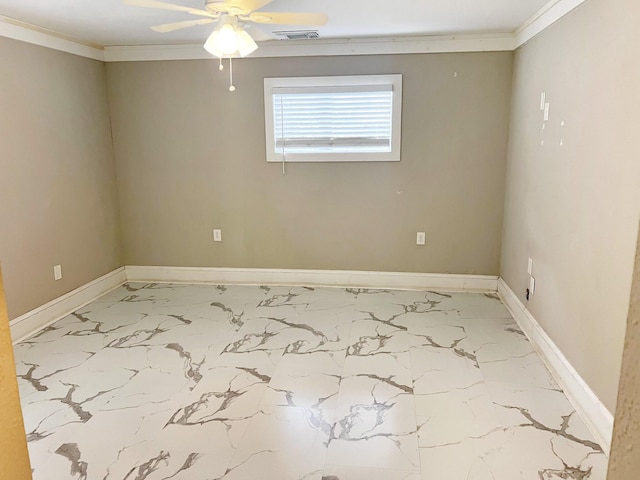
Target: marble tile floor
x=202, y=382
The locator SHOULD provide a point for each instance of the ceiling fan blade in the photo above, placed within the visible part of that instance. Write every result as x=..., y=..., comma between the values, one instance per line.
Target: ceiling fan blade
x=258, y=34
x=166, y=6
x=170, y=27
x=282, y=18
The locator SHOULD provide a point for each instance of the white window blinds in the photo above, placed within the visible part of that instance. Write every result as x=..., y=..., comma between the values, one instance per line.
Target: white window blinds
x=334, y=120
x=354, y=118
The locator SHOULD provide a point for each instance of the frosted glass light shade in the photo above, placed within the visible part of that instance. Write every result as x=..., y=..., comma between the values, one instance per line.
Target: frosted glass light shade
x=246, y=45
x=210, y=45
x=227, y=40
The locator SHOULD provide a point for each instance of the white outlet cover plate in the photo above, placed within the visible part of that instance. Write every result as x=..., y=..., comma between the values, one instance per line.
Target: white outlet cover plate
x=530, y=266
x=217, y=235
x=421, y=238
x=57, y=272
x=532, y=285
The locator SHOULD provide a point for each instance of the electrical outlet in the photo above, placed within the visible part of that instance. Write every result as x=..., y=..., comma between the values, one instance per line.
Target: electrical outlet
x=530, y=266
x=421, y=238
x=57, y=272
x=217, y=235
x=532, y=286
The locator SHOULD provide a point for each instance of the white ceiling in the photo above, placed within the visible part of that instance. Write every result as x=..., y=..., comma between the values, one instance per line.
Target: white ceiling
x=110, y=22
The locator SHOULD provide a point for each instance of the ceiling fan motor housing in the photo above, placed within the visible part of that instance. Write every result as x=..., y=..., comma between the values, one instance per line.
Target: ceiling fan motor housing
x=221, y=6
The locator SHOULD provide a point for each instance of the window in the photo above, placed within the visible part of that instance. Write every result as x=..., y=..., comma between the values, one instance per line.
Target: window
x=333, y=119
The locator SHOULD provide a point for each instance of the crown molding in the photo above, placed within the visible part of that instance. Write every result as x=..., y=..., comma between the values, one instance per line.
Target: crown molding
x=544, y=18
x=325, y=47
x=135, y=53
x=25, y=32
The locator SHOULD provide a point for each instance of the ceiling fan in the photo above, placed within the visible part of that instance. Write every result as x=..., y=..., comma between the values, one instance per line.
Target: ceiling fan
x=230, y=38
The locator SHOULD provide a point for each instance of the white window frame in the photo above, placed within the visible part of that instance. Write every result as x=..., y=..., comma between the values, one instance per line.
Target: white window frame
x=394, y=81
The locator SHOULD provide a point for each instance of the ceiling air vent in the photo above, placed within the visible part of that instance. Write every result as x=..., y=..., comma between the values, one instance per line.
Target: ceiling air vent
x=298, y=34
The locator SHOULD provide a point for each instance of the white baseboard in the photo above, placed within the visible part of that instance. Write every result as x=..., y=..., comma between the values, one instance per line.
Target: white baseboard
x=596, y=416
x=342, y=278
x=32, y=322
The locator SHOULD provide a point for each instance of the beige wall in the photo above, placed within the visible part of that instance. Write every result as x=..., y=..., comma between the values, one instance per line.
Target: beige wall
x=191, y=157
x=14, y=461
x=624, y=463
x=574, y=208
x=58, y=198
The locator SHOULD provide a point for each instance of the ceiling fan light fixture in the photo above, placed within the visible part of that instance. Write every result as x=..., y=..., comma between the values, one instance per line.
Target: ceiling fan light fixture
x=230, y=39
x=246, y=44
x=227, y=39
x=210, y=45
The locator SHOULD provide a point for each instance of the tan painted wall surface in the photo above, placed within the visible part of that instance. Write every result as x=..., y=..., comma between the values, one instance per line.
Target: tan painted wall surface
x=58, y=197
x=624, y=463
x=14, y=460
x=191, y=157
x=574, y=208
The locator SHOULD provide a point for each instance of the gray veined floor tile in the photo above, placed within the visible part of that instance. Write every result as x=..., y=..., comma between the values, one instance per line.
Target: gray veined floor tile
x=342, y=472
x=370, y=337
x=212, y=382
x=375, y=423
x=308, y=381
x=285, y=444
x=386, y=364
x=453, y=416
x=437, y=370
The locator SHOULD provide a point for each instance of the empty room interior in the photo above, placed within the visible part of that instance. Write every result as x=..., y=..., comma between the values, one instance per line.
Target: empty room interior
x=319, y=240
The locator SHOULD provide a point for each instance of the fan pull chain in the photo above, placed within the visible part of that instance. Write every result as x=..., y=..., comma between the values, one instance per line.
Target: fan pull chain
x=231, y=87
x=221, y=67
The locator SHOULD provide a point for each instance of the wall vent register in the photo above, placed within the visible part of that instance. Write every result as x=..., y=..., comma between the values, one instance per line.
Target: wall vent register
x=333, y=119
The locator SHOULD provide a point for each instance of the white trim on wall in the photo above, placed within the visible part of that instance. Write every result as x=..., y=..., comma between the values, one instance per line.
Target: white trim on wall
x=597, y=417
x=544, y=18
x=27, y=33
x=326, y=47
x=32, y=322
x=341, y=278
